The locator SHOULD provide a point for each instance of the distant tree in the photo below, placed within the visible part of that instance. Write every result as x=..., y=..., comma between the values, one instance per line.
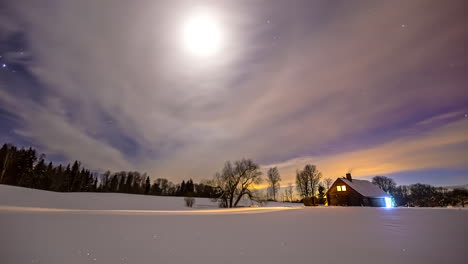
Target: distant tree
x=155, y=190
x=129, y=183
x=327, y=183
x=442, y=197
x=49, y=177
x=138, y=182
x=123, y=188
x=459, y=196
x=385, y=183
x=105, y=183
x=114, y=183
x=205, y=189
x=273, y=178
x=235, y=181
x=67, y=179
x=401, y=194
x=181, y=189
x=24, y=163
x=57, y=175
x=75, y=179
x=289, y=192
x=171, y=189
x=163, y=185
x=423, y=195
x=39, y=178
x=307, y=180
x=147, y=185
x=321, y=194
x=95, y=185
x=189, y=187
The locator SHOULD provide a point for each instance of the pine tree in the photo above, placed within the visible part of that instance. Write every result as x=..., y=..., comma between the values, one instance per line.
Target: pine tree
x=123, y=177
x=129, y=183
x=189, y=188
x=25, y=166
x=39, y=179
x=147, y=185
x=114, y=183
x=75, y=177
x=182, y=189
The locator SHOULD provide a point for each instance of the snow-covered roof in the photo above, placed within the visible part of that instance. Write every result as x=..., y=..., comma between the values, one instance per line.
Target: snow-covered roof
x=366, y=188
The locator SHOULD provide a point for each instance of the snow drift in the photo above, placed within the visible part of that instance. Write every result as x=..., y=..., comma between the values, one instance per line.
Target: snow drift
x=91, y=234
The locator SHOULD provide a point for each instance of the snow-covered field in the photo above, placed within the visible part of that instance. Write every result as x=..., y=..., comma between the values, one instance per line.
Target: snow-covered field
x=46, y=227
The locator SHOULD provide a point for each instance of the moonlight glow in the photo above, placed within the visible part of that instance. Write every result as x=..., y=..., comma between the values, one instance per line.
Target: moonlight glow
x=202, y=35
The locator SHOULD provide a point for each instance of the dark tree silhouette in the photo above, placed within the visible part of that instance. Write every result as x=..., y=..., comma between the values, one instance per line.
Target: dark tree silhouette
x=321, y=194
x=327, y=183
x=459, y=196
x=307, y=180
x=385, y=183
x=235, y=181
x=147, y=185
x=273, y=178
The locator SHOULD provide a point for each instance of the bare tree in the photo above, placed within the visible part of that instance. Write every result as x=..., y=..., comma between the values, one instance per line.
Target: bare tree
x=235, y=181
x=307, y=180
x=385, y=183
x=302, y=185
x=273, y=178
x=289, y=192
x=327, y=183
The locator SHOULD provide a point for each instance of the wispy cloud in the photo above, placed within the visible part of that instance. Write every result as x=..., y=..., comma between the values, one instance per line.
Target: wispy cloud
x=444, y=147
x=316, y=80
x=56, y=135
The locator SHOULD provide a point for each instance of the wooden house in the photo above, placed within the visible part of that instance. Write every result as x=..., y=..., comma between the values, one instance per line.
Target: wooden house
x=350, y=192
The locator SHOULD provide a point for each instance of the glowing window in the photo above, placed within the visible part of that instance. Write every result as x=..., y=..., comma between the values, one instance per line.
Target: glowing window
x=338, y=188
x=343, y=188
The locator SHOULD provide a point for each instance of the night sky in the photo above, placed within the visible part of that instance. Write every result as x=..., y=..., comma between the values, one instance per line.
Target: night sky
x=371, y=87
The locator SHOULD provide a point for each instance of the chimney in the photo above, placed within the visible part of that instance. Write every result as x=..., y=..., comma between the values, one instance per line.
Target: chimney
x=348, y=177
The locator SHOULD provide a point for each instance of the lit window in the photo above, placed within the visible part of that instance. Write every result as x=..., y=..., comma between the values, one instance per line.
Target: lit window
x=343, y=188
x=338, y=188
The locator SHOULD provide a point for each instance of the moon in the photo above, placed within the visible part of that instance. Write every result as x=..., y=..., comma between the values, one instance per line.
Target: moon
x=202, y=35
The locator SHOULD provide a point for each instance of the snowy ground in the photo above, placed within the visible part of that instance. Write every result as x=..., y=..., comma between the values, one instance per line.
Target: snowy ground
x=119, y=228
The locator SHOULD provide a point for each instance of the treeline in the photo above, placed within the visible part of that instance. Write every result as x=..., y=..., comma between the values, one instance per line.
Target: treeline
x=22, y=167
x=422, y=195
x=136, y=183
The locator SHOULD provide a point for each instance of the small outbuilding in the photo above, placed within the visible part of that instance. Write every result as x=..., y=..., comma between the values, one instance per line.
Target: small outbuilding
x=349, y=192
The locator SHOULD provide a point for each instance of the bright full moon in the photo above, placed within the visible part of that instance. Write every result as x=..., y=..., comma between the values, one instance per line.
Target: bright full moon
x=202, y=35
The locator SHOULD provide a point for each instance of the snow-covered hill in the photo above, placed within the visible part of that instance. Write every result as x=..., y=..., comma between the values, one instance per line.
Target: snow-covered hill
x=92, y=234
x=18, y=196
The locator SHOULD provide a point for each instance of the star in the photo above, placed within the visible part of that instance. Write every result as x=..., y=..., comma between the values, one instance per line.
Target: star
x=4, y=65
x=403, y=25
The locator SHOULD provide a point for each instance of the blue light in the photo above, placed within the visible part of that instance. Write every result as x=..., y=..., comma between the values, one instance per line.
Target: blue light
x=4, y=65
x=388, y=202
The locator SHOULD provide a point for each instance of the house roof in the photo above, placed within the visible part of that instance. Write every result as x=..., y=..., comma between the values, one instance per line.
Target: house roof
x=366, y=188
